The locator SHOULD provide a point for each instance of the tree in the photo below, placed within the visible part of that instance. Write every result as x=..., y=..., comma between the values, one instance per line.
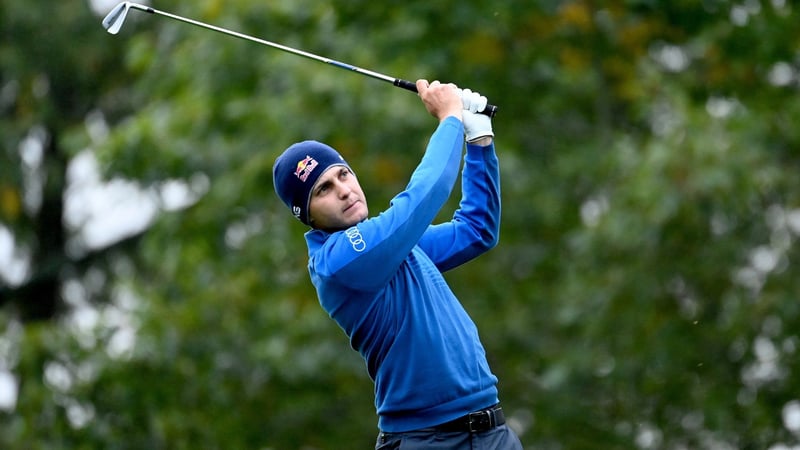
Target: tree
x=49, y=92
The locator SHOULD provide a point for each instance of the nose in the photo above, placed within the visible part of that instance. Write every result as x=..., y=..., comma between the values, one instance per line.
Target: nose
x=343, y=189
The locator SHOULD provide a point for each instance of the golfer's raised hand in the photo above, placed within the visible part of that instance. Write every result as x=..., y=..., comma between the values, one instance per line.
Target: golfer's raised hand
x=477, y=126
x=441, y=100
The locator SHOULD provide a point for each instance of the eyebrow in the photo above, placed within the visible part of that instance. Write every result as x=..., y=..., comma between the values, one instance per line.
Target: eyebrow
x=321, y=186
x=327, y=182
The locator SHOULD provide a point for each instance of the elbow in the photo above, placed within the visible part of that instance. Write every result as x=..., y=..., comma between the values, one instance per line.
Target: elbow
x=492, y=243
x=485, y=233
x=490, y=236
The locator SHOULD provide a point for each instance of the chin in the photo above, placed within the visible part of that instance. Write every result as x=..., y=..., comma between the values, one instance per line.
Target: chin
x=357, y=216
x=354, y=221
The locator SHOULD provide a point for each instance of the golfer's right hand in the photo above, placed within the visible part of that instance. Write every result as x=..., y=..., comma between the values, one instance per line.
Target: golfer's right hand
x=441, y=100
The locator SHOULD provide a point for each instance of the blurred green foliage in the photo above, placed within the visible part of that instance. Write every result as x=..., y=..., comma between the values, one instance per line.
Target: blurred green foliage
x=644, y=293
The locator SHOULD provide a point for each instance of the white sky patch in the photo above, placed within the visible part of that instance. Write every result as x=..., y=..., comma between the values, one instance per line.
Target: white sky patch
x=593, y=210
x=740, y=14
x=781, y=74
x=31, y=152
x=720, y=108
x=672, y=58
x=175, y=195
x=793, y=221
x=791, y=416
x=14, y=260
x=8, y=391
x=104, y=212
x=117, y=209
x=119, y=318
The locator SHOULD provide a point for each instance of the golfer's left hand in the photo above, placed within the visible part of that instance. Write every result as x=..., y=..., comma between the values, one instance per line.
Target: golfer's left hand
x=476, y=125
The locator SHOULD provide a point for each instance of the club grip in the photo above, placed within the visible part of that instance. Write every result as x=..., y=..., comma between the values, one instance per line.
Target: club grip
x=489, y=110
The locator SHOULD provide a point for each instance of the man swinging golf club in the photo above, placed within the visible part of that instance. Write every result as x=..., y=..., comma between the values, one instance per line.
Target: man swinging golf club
x=381, y=280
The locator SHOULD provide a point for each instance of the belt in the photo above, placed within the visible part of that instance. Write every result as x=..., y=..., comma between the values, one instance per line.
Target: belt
x=475, y=422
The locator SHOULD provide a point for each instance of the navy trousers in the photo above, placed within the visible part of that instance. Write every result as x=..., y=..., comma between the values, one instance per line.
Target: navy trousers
x=498, y=438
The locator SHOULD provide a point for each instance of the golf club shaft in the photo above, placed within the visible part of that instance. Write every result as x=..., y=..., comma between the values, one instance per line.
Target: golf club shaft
x=489, y=110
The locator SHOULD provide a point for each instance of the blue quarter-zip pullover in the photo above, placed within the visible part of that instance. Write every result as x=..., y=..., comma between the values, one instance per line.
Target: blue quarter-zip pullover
x=381, y=281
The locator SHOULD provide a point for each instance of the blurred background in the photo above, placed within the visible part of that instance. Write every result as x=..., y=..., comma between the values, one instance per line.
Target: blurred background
x=645, y=293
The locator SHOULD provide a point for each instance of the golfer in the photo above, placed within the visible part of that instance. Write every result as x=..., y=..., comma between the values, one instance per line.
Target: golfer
x=380, y=278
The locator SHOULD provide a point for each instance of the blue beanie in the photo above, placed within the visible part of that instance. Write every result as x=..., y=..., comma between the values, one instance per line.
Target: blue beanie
x=296, y=171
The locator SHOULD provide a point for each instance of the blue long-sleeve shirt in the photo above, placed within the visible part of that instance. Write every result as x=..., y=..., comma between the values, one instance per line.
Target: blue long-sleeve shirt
x=381, y=281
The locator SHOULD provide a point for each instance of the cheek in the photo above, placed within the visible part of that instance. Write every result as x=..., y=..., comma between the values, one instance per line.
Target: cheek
x=320, y=208
x=357, y=188
x=315, y=209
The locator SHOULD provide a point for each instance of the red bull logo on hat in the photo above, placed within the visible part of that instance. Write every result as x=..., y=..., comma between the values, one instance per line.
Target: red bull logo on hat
x=304, y=168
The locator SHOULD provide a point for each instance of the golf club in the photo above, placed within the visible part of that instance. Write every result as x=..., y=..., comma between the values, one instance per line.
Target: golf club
x=114, y=20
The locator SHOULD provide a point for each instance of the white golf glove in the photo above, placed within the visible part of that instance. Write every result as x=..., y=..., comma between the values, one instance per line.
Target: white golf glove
x=476, y=125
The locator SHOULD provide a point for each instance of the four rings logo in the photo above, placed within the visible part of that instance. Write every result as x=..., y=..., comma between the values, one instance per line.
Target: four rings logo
x=356, y=240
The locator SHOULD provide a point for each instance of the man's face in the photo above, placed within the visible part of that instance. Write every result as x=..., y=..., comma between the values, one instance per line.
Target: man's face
x=337, y=201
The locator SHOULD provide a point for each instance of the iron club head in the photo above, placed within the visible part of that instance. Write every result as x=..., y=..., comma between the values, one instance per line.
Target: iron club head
x=114, y=19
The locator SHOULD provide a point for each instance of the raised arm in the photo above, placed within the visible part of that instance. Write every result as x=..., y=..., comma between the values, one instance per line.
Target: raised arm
x=475, y=226
x=385, y=241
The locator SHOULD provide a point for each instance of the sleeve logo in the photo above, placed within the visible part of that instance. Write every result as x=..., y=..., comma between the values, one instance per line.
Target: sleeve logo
x=355, y=238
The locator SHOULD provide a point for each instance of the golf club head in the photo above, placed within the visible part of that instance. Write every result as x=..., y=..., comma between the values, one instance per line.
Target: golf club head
x=114, y=19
